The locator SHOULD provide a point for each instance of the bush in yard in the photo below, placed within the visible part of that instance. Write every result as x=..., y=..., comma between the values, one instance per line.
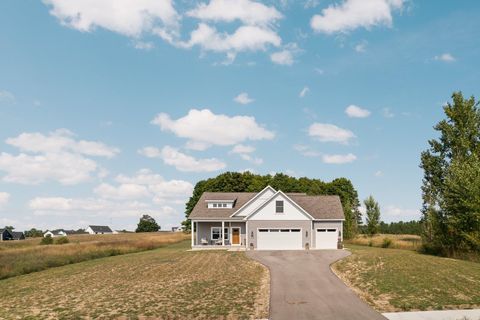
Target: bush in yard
x=387, y=243
x=147, y=224
x=46, y=240
x=62, y=240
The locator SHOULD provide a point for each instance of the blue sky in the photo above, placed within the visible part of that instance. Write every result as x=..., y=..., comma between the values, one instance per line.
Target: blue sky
x=114, y=108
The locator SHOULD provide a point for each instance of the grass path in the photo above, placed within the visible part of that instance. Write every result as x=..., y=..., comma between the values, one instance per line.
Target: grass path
x=166, y=283
x=401, y=280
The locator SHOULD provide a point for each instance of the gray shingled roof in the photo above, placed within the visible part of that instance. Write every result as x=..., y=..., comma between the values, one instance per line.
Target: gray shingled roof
x=319, y=207
x=101, y=229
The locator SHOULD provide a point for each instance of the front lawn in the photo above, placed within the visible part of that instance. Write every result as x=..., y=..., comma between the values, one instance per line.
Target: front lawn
x=164, y=283
x=402, y=280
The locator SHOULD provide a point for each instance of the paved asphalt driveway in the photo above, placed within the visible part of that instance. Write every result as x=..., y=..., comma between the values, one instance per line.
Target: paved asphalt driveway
x=304, y=287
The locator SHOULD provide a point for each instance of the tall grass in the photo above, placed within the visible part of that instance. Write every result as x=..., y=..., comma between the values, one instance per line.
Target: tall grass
x=396, y=241
x=17, y=258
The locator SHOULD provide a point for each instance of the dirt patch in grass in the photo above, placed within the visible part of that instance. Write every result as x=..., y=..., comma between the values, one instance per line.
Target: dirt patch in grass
x=165, y=283
x=402, y=280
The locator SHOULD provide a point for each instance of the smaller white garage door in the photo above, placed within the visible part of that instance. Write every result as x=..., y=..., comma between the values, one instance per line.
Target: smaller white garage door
x=326, y=239
x=279, y=239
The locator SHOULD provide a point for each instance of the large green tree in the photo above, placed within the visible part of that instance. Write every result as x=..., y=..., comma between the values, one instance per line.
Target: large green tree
x=451, y=181
x=372, y=215
x=147, y=224
x=249, y=182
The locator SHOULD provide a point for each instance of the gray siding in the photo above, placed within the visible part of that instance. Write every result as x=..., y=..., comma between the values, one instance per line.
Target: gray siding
x=204, y=230
x=325, y=225
x=305, y=225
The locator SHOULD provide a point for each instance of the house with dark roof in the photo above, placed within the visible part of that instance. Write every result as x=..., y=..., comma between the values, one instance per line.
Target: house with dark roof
x=17, y=235
x=267, y=220
x=5, y=234
x=99, y=230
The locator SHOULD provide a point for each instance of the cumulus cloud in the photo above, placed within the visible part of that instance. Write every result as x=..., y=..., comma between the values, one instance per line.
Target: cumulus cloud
x=243, y=98
x=182, y=161
x=353, y=14
x=398, y=213
x=286, y=56
x=338, y=158
x=240, y=148
x=56, y=157
x=203, y=128
x=387, y=113
x=445, y=57
x=129, y=18
x=304, y=92
x=245, y=152
x=361, y=47
x=246, y=11
x=354, y=111
x=326, y=132
x=4, y=198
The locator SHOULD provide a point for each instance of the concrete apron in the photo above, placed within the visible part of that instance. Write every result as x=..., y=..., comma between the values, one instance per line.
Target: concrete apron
x=473, y=314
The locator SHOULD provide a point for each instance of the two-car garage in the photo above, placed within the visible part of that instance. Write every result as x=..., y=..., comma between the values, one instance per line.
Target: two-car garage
x=291, y=238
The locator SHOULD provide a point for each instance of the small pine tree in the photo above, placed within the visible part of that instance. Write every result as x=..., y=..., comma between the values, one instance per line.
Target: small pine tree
x=373, y=215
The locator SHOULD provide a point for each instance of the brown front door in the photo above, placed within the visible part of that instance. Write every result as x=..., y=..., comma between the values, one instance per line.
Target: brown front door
x=235, y=236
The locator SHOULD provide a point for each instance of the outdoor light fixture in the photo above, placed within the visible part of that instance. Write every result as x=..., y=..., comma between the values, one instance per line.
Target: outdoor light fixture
x=251, y=234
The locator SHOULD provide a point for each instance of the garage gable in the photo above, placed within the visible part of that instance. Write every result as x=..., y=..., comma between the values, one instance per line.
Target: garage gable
x=279, y=207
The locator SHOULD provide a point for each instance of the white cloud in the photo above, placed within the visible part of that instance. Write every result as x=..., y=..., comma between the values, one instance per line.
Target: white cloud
x=129, y=18
x=56, y=157
x=325, y=132
x=123, y=191
x=6, y=97
x=203, y=128
x=61, y=140
x=353, y=14
x=306, y=151
x=311, y=4
x=245, y=38
x=387, y=113
x=304, y=92
x=284, y=57
x=182, y=161
x=361, y=47
x=144, y=45
x=4, y=198
x=243, y=98
x=354, y=111
x=240, y=148
x=396, y=213
x=338, y=158
x=246, y=11
x=245, y=153
x=249, y=158
x=445, y=57
x=378, y=173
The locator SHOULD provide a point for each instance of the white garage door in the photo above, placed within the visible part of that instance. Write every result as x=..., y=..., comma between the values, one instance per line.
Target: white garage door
x=326, y=238
x=279, y=239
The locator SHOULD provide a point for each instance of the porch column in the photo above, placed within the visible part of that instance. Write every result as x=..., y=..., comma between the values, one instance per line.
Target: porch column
x=247, y=237
x=192, y=227
x=223, y=233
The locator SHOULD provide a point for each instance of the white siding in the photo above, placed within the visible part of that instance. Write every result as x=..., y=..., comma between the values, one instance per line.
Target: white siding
x=290, y=212
x=249, y=208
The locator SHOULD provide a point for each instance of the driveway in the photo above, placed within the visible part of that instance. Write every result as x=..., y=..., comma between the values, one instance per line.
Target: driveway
x=304, y=287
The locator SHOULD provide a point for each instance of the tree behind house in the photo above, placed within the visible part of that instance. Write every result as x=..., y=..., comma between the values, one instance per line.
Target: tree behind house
x=373, y=215
x=147, y=224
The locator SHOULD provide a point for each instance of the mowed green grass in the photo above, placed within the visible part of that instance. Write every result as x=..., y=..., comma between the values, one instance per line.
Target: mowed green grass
x=165, y=283
x=402, y=280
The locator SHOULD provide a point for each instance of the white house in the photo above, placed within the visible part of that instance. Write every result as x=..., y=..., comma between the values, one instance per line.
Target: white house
x=55, y=233
x=99, y=230
x=267, y=220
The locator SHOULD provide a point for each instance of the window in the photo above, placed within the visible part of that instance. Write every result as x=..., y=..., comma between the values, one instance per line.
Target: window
x=226, y=233
x=274, y=230
x=331, y=230
x=214, y=205
x=262, y=230
x=285, y=230
x=322, y=230
x=295, y=230
x=216, y=233
x=224, y=205
x=278, y=206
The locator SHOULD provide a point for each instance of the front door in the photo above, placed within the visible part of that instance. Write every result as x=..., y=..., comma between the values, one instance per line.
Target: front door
x=235, y=235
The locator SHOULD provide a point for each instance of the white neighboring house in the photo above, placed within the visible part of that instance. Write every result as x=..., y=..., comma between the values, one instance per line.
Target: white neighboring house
x=55, y=233
x=99, y=230
x=178, y=229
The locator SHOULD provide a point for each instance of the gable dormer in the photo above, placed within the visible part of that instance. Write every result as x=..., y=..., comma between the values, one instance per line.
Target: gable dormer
x=220, y=204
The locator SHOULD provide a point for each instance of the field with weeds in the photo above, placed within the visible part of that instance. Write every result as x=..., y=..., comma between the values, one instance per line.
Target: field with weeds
x=405, y=280
x=23, y=257
x=165, y=283
x=396, y=241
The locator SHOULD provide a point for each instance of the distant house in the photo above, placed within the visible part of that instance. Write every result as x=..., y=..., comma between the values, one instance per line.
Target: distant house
x=55, y=233
x=75, y=232
x=17, y=235
x=5, y=234
x=99, y=230
x=177, y=229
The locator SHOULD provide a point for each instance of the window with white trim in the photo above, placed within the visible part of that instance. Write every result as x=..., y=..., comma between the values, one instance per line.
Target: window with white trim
x=278, y=206
x=216, y=233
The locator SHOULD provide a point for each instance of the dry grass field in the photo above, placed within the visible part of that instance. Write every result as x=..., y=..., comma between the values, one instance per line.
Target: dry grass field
x=396, y=241
x=165, y=283
x=405, y=280
x=23, y=257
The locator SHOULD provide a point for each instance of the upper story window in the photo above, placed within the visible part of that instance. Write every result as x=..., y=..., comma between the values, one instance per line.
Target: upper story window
x=279, y=206
x=219, y=204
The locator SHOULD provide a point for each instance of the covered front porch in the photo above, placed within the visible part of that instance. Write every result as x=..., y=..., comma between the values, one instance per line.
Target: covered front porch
x=216, y=234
